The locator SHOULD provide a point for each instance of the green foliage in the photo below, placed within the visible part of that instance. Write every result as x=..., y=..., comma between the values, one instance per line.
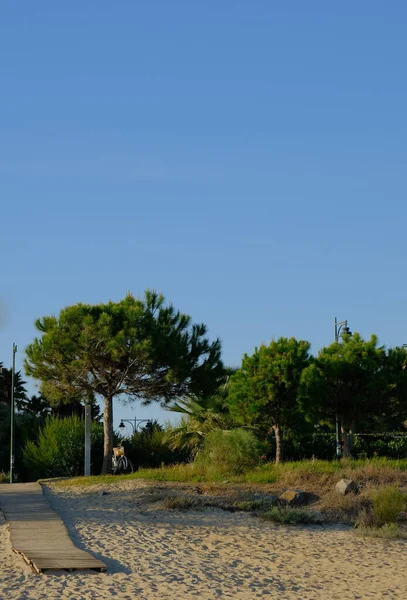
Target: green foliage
x=299, y=445
x=288, y=516
x=377, y=471
x=263, y=393
x=138, y=348
x=387, y=503
x=4, y=477
x=395, y=399
x=59, y=449
x=251, y=505
x=200, y=415
x=183, y=503
x=150, y=448
x=347, y=378
x=5, y=387
x=26, y=428
x=229, y=452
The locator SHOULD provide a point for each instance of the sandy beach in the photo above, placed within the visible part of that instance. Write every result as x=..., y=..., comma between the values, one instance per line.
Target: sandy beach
x=153, y=553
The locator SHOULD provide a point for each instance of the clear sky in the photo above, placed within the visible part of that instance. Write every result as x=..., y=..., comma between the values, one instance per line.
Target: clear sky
x=247, y=159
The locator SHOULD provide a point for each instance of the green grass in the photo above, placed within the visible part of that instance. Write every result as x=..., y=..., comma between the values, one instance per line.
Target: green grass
x=251, y=505
x=387, y=503
x=288, y=516
x=378, y=470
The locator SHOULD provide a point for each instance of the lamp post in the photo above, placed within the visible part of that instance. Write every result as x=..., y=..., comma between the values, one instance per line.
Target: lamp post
x=134, y=423
x=339, y=326
x=13, y=369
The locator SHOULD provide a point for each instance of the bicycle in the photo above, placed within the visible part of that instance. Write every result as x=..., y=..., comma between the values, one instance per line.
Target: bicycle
x=121, y=465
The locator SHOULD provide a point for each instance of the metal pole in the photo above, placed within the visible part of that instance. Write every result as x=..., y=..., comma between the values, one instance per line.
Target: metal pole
x=338, y=441
x=88, y=419
x=13, y=368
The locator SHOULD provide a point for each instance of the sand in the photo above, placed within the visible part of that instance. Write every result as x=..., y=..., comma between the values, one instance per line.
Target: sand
x=154, y=553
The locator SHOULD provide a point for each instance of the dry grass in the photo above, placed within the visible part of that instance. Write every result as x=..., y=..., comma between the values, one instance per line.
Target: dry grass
x=343, y=509
x=191, y=488
x=389, y=531
x=231, y=502
x=307, y=474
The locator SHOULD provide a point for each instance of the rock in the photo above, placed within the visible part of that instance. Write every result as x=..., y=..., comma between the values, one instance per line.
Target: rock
x=347, y=486
x=102, y=493
x=293, y=497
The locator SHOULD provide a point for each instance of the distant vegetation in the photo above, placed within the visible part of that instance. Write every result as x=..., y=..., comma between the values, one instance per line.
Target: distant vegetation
x=281, y=404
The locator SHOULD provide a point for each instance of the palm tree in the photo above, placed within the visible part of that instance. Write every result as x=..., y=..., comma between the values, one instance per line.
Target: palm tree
x=200, y=415
x=20, y=392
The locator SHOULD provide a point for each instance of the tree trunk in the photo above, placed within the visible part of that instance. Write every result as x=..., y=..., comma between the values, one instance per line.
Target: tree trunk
x=279, y=444
x=108, y=436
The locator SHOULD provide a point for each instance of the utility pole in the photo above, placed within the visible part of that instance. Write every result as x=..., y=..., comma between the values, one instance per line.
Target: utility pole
x=13, y=369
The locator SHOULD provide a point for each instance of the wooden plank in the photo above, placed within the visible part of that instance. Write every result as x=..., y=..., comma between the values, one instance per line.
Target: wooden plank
x=38, y=533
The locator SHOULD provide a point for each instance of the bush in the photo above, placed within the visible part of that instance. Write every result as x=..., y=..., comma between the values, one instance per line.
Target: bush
x=387, y=503
x=59, y=449
x=229, y=452
x=300, y=446
x=149, y=448
x=288, y=516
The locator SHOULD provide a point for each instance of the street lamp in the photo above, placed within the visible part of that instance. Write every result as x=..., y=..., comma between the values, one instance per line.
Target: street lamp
x=134, y=423
x=339, y=326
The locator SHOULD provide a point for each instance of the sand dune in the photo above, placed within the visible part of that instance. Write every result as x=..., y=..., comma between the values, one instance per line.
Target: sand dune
x=157, y=554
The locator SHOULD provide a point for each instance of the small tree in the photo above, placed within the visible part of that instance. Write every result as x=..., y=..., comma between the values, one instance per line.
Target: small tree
x=395, y=401
x=346, y=379
x=139, y=349
x=264, y=391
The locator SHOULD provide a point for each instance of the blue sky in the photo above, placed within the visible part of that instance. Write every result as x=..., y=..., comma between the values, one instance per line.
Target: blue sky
x=247, y=159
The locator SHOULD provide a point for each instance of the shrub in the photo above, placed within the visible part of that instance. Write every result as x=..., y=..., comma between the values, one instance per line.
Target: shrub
x=387, y=503
x=150, y=448
x=4, y=477
x=229, y=452
x=183, y=503
x=300, y=446
x=288, y=516
x=59, y=449
x=251, y=505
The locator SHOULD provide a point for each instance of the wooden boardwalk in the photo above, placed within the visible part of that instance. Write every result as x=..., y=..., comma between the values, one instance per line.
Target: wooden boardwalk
x=38, y=532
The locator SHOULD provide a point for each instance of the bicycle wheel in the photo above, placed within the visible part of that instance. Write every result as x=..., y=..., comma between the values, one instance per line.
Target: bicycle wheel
x=124, y=466
x=128, y=466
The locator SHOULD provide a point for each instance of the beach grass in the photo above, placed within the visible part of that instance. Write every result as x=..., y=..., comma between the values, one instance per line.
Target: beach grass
x=376, y=471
